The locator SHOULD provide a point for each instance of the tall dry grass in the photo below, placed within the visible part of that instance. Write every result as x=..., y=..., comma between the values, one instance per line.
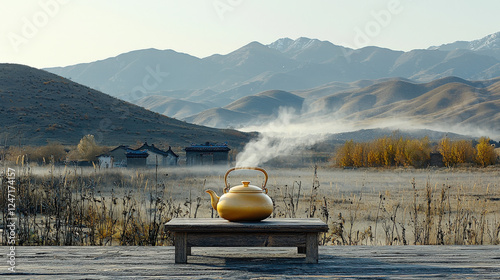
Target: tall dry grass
x=75, y=206
x=90, y=209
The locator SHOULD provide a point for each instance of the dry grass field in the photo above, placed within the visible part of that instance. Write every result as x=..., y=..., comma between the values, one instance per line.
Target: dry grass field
x=86, y=206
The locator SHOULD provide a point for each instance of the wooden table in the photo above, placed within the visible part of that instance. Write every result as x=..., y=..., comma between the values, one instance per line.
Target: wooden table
x=300, y=233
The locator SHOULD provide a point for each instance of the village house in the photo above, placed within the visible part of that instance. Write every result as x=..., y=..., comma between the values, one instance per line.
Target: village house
x=118, y=155
x=136, y=158
x=207, y=154
x=105, y=161
x=158, y=156
x=114, y=158
x=144, y=156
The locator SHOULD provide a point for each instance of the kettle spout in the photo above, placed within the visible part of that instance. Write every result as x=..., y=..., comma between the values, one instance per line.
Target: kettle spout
x=214, y=198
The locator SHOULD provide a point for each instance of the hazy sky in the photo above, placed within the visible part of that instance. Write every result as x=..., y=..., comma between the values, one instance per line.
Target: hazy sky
x=43, y=33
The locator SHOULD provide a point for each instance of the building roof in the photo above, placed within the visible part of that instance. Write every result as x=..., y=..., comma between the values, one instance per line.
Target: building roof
x=136, y=154
x=207, y=147
x=123, y=147
x=154, y=149
x=108, y=154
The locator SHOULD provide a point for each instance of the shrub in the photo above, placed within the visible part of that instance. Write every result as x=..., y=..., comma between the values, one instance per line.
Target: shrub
x=53, y=152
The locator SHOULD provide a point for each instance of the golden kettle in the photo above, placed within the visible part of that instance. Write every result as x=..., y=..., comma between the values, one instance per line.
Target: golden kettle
x=244, y=202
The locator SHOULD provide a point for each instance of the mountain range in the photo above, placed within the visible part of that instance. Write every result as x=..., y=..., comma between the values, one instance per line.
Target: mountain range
x=285, y=64
x=38, y=107
x=447, y=88
x=314, y=77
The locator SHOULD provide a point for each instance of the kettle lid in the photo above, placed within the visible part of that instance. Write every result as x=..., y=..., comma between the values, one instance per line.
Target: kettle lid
x=246, y=188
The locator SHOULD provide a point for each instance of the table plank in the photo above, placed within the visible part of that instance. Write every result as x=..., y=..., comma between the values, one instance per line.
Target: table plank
x=335, y=262
x=246, y=239
x=267, y=225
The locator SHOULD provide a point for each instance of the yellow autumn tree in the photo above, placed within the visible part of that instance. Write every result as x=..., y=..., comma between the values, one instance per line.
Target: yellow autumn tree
x=463, y=151
x=418, y=152
x=399, y=155
x=444, y=148
x=373, y=158
x=88, y=149
x=344, y=154
x=389, y=151
x=485, y=153
x=377, y=149
x=358, y=157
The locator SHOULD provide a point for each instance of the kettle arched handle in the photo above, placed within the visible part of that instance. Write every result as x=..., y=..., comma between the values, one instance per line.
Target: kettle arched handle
x=226, y=189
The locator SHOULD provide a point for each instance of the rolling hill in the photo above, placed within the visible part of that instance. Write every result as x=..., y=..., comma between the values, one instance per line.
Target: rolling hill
x=38, y=107
x=447, y=104
x=172, y=107
x=252, y=109
x=441, y=104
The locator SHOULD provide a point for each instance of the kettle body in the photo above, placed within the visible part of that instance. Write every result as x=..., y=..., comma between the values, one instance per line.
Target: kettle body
x=244, y=202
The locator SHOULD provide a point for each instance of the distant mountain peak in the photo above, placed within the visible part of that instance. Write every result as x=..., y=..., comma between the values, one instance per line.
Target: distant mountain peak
x=287, y=44
x=281, y=44
x=489, y=42
x=253, y=44
x=252, y=47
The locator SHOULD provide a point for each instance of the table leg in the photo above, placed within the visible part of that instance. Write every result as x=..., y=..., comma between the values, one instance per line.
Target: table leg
x=311, y=248
x=180, y=243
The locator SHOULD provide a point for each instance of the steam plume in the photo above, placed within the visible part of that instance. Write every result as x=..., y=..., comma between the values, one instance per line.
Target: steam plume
x=280, y=137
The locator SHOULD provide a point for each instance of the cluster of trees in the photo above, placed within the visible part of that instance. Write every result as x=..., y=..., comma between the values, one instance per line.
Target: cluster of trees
x=400, y=151
x=87, y=149
x=386, y=151
x=463, y=151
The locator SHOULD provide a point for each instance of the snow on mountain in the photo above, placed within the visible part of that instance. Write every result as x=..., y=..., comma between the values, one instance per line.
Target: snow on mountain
x=489, y=42
x=281, y=44
x=285, y=45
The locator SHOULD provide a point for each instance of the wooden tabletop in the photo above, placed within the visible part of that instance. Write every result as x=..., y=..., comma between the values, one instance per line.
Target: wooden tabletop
x=268, y=225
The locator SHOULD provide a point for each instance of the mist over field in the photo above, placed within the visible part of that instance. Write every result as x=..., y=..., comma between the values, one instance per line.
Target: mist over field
x=291, y=132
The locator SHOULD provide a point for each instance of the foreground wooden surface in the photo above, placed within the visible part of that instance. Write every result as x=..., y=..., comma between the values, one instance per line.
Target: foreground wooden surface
x=395, y=262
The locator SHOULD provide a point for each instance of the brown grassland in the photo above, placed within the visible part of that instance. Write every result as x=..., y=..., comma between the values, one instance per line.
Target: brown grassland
x=368, y=206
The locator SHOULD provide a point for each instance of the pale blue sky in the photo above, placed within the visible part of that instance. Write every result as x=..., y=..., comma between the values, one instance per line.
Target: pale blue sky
x=43, y=33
